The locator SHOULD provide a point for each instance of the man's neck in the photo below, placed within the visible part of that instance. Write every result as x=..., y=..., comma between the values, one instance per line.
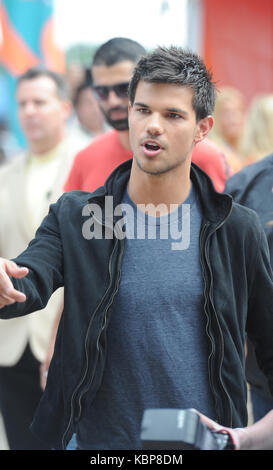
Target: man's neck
x=168, y=189
x=124, y=139
x=44, y=146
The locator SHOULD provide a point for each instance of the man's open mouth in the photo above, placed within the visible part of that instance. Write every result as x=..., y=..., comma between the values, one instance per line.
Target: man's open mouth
x=151, y=148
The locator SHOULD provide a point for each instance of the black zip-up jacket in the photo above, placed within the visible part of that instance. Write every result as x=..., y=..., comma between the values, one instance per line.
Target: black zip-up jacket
x=238, y=293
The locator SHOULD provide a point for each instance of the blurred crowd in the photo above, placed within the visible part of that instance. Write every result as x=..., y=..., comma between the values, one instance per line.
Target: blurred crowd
x=242, y=130
x=84, y=122
x=242, y=134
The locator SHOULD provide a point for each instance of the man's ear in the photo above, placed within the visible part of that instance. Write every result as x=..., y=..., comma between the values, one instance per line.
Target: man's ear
x=67, y=109
x=203, y=128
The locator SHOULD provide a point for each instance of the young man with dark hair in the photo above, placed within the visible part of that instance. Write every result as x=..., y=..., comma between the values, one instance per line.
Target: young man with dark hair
x=162, y=277
x=112, y=69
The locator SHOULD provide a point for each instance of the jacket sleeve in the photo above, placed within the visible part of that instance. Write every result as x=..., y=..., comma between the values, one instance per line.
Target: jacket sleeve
x=260, y=308
x=44, y=258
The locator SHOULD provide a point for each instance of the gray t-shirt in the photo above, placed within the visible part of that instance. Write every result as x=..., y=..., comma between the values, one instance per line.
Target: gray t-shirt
x=157, y=348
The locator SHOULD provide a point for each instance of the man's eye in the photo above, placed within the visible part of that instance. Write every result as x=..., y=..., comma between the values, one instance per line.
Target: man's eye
x=142, y=110
x=174, y=116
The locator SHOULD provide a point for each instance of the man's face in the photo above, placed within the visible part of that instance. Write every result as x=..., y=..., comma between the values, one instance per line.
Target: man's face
x=42, y=113
x=114, y=107
x=163, y=127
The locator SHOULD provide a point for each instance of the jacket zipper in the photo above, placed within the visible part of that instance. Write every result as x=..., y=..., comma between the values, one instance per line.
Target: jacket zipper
x=86, y=352
x=219, y=327
x=99, y=335
x=206, y=312
x=87, y=334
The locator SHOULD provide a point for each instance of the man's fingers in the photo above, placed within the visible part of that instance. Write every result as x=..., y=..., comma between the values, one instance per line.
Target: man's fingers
x=9, y=295
x=15, y=295
x=6, y=298
x=209, y=422
x=5, y=283
x=15, y=271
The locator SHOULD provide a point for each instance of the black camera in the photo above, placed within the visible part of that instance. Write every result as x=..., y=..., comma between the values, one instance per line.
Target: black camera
x=175, y=429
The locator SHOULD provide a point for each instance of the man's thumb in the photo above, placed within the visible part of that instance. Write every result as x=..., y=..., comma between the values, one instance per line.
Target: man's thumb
x=12, y=269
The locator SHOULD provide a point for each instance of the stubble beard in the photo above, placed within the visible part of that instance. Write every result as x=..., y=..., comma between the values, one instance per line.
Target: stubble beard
x=118, y=124
x=166, y=169
x=157, y=172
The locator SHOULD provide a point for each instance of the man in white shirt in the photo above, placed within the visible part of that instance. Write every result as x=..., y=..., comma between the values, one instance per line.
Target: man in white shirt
x=28, y=185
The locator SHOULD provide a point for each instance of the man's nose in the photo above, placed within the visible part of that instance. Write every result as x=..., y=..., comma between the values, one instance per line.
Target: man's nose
x=113, y=100
x=154, y=125
x=28, y=108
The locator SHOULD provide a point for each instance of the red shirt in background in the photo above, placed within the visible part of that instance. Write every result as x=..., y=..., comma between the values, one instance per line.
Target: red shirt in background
x=93, y=164
x=213, y=161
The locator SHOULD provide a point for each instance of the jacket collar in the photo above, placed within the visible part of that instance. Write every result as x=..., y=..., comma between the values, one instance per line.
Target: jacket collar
x=216, y=206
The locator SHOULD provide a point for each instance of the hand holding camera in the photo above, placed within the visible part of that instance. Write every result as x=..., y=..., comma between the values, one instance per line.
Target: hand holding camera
x=176, y=429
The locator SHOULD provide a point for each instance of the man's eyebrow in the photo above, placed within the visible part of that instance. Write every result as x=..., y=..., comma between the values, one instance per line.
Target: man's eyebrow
x=143, y=105
x=170, y=110
x=177, y=110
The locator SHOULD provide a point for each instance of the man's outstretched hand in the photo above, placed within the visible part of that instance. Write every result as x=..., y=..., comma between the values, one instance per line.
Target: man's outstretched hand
x=9, y=295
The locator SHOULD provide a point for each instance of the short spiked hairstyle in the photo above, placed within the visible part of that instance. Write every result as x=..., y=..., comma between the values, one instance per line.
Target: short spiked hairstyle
x=180, y=67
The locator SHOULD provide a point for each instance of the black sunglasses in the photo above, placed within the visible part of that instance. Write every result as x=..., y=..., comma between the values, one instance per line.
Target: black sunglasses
x=121, y=90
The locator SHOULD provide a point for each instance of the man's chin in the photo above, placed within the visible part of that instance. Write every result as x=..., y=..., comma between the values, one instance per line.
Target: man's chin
x=119, y=125
x=153, y=170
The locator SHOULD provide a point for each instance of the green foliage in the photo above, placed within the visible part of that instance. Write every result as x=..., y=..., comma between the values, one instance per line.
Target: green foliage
x=81, y=54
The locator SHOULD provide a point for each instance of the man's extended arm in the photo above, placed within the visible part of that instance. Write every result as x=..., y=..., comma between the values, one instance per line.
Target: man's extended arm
x=8, y=294
x=27, y=282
